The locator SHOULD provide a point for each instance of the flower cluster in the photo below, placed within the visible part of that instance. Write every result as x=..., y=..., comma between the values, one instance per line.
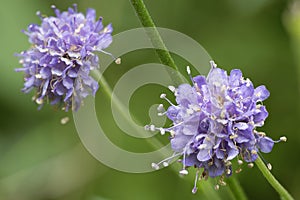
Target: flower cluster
x=215, y=121
x=62, y=55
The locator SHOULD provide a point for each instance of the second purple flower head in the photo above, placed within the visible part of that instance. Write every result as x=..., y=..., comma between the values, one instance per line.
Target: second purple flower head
x=62, y=54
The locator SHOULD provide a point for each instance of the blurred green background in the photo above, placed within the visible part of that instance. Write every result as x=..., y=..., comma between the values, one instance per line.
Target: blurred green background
x=42, y=159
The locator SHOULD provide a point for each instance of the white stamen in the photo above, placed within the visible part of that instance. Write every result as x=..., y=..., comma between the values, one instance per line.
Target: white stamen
x=147, y=128
x=189, y=111
x=161, y=114
x=202, y=146
x=162, y=131
x=240, y=162
x=228, y=171
x=155, y=166
x=64, y=120
x=39, y=101
x=171, y=88
x=183, y=172
x=269, y=166
x=118, y=61
x=250, y=165
x=160, y=108
x=283, y=139
x=152, y=128
x=165, y=164
x=217, y=187
x=162, y=96
x=188, y=70
x=194, y=190
x=222, y=183
x=213, y=64
x=38, y=76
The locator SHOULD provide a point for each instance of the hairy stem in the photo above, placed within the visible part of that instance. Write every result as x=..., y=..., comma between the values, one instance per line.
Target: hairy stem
x=284, y=194
x=156, y=40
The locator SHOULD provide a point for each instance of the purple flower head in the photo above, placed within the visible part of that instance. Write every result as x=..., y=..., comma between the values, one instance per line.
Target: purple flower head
x=215, y=121
x=62, y=54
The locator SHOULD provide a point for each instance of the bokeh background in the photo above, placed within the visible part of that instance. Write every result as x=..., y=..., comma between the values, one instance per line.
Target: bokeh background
x=42, y=159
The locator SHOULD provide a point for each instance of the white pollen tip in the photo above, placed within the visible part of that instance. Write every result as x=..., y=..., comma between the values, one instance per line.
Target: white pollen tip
x=152, y=128
x=118, y=61
x=194, y=190
x=183, y=172
x=188, y=70
x=162, y=131
x=64, y=120
x=269, y=166
x=250, y=165
x=160, y=107
x=53, y=6
x=147, y=128
x=165, y=164
x=162, y=96
x=39, y=101
x=155, y=166
x=213, y=64
x=217, y=187
x=240, y=162
x=283, y=139
x=171, y=88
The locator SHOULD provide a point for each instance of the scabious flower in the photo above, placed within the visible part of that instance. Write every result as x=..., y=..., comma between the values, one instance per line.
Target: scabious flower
x=215, y=121
x=62, y=54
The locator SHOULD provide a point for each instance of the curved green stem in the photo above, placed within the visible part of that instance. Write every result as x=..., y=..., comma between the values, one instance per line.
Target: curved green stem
x=160, y=48
x=284, y=194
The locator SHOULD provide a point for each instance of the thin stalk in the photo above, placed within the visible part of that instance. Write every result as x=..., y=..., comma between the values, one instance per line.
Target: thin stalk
x=160, y=48
x=284, y=194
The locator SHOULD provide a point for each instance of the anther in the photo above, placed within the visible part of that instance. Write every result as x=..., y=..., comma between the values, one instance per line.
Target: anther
x=165, y=164
x=283, y=139
x=213, y=64
x=240, y=162
x=253, y=151
x=160, y=108
x=194, y=190
x=162, y=96
x=64, y=120
x=217, y=187
x=39, y=101
x=269, y=166
x=228, y=171
x=152, y=128
x=118, y=61
x=222, y=183
x=162, y=131
x=155, y=166
x=183, y=172
x=250, y=165
x=228, y=163
x=238, y=170
x=172, y=88
x=188, y=70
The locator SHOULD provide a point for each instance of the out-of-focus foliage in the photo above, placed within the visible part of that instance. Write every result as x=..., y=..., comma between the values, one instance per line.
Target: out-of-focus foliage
x=42, y=159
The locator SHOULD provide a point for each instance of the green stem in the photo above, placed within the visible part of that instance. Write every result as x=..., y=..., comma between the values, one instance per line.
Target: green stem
x=160, y=48
x=272, y=180
x=236, y=188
